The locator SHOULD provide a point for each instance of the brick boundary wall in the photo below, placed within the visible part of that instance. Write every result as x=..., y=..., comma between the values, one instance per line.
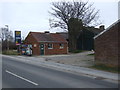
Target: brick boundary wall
x=106, y=47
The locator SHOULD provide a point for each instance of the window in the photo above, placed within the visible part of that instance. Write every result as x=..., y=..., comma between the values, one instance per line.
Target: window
x=30, y=46
x=61, y=46
x=50, y=46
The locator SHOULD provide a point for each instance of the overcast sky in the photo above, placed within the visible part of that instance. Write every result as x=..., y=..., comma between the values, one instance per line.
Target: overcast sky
x=33, y=15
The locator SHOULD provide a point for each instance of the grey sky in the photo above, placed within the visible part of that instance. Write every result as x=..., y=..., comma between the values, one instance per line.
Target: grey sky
x=34, y=16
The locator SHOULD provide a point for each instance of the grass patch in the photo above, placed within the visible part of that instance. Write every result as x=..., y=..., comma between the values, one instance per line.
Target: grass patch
x=10, y=52
x=106, y=68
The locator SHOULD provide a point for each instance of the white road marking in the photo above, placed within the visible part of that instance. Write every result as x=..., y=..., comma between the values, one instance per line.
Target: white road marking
x=22, y=78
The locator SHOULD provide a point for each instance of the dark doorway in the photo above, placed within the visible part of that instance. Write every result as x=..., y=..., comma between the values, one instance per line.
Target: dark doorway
x=41, y=49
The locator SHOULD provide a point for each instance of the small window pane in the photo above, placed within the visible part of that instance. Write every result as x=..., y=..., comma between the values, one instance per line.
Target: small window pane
x=50, y=46
x=61, y=46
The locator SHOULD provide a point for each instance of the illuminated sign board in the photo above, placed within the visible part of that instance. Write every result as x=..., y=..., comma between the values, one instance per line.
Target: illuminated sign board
x=17, y=37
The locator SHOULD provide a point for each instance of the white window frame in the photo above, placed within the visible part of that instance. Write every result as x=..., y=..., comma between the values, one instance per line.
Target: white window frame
x=61, y=47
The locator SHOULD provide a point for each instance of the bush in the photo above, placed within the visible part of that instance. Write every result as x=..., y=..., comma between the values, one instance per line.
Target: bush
x=77, y=51
x=92, y=54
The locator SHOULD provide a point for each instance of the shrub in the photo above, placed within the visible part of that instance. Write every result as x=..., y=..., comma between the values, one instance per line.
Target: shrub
x=92, y=54
x=77, y=51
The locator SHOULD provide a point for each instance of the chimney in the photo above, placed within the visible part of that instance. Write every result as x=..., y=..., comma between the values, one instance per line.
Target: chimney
x=47, y=32
x=102, y=27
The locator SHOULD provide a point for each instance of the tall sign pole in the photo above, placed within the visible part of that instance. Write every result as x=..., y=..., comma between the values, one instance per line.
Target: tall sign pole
x=18, y=39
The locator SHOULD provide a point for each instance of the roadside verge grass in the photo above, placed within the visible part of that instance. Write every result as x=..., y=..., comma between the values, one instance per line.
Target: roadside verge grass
x=106, y=68
x=10, y=52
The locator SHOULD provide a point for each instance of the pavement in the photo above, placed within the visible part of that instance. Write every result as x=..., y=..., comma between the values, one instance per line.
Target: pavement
x=97, y=74
x=82, y=59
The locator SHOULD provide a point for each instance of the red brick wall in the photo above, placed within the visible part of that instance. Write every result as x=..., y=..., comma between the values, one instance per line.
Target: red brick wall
x=56, y=49
x=31, y=40
x=36, y=50
x=119, y=44
x=106, y=47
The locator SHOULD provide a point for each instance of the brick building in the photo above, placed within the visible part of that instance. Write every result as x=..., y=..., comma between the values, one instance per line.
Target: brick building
x=46, y=43
x=107, y=44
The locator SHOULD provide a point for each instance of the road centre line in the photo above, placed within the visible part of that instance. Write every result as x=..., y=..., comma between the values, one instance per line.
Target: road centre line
x=21, y=78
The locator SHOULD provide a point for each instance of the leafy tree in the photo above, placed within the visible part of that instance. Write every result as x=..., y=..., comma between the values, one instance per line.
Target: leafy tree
x=74, y=27
x=73, y=16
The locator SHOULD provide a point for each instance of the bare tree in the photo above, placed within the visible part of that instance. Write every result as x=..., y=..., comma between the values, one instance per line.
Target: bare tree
x=6, y=34
x=63, y=11
x=81, y=11
x=6, y=37
x=3, y=34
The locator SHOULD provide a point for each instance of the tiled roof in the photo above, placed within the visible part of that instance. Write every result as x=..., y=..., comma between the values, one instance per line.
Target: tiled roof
x=47, y=37
x=91, y=29
x=94, y=30
x=63, y=34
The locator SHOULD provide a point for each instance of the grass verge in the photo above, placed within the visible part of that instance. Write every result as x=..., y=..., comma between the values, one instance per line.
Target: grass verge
x=10, y=52
x=106, y=68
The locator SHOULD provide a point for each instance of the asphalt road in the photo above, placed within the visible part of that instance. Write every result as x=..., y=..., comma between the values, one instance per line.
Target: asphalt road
x=16, y=74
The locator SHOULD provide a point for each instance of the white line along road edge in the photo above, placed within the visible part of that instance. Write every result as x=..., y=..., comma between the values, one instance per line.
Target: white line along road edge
x=21, y=78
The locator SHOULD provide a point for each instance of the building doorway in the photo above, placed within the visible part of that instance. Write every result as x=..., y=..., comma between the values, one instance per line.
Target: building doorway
x=41, y=49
